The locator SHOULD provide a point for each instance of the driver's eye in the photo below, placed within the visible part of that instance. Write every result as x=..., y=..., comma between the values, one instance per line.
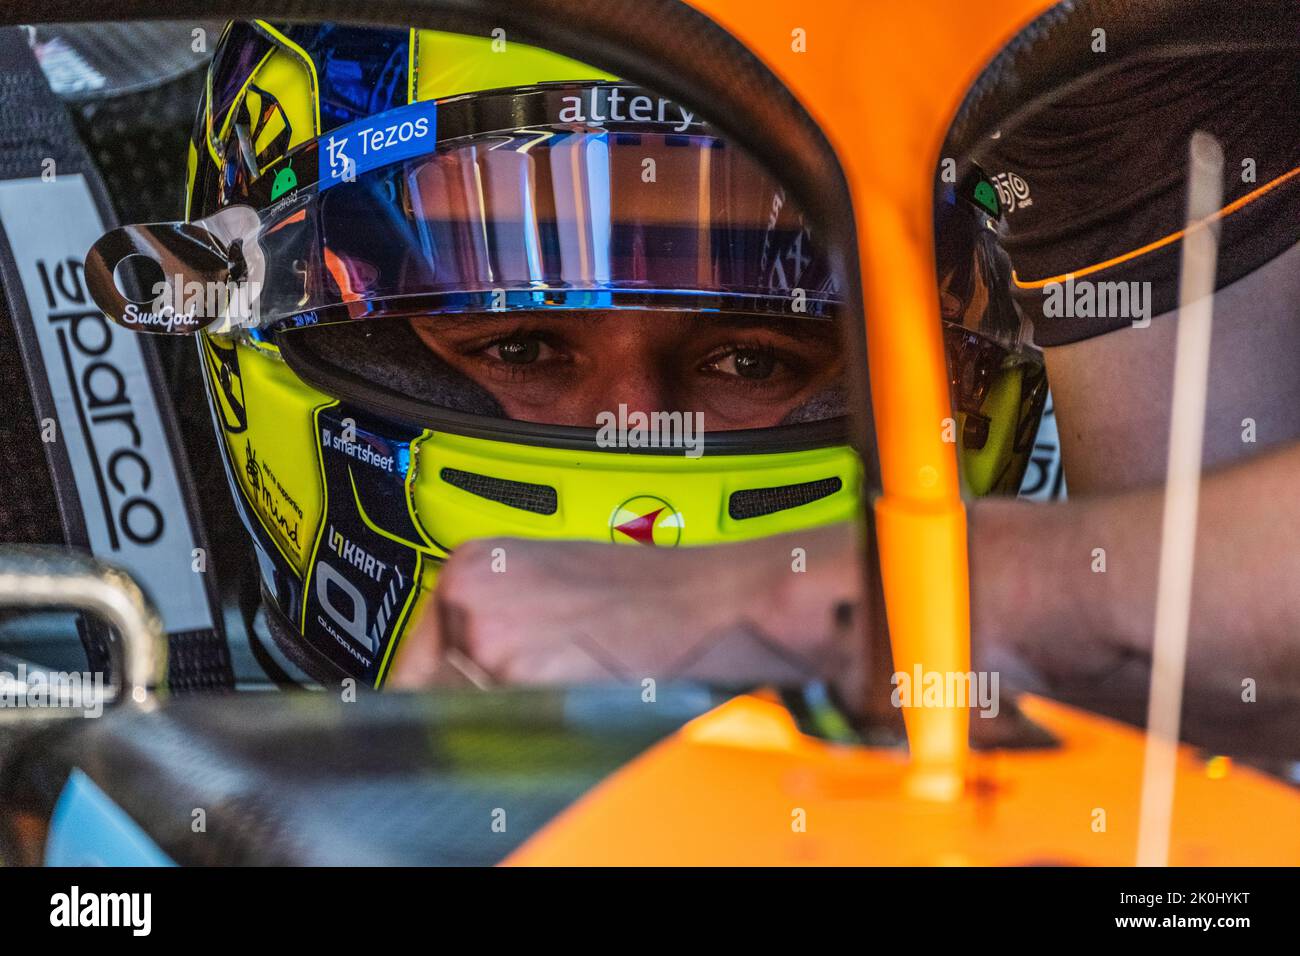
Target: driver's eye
x=754, y=364
x=523, y=350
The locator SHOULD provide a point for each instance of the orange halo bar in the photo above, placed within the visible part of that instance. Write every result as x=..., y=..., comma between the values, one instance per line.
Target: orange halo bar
x=883, y=80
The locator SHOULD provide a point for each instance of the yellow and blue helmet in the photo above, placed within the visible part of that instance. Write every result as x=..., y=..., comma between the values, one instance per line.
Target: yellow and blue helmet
x=368, y=208
x=358, y=190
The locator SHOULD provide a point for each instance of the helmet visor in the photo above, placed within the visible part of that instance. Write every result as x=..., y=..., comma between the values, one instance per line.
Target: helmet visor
x=588, y=195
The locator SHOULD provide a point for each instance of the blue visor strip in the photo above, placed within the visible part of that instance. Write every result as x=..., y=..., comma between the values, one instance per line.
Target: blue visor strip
x=380, y=140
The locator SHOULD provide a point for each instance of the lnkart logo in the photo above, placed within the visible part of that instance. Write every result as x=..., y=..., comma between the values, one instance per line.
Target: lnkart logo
x=646, y=520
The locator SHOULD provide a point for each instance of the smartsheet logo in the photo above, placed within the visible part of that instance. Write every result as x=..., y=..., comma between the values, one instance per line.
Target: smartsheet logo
x=74, y=909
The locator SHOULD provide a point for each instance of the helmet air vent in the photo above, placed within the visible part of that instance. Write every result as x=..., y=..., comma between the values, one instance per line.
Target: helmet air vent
x=539, y=499
x=756, y=502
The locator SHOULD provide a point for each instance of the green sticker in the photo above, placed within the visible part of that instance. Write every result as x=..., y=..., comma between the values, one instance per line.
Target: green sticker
x=285, y=180
x=985, y=195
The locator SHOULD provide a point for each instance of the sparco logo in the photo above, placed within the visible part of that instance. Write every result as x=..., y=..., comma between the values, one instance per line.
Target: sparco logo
x=101, y=396
x=105, y=429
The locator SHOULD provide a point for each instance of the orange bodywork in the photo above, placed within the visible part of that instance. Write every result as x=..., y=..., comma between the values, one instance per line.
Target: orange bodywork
x=884, y=81
x=742, y=786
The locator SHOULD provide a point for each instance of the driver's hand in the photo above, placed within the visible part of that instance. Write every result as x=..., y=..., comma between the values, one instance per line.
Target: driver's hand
x=512, y=611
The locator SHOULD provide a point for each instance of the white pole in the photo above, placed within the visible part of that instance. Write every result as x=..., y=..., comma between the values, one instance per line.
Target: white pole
x=1200, y=250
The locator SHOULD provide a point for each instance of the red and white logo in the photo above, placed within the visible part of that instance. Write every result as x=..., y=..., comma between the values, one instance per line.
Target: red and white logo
x=646, y=520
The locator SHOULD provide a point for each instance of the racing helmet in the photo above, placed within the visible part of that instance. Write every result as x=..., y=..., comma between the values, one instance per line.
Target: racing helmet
x=996, y=376
x=392, y=235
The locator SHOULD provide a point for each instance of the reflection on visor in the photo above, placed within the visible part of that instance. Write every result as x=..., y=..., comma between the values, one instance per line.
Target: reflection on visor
x=619, y=213
x=997, y=379
x=998, y=394
x=621, y=219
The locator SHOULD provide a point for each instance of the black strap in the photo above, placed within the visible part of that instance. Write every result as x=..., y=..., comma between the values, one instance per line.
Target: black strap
x=117, y=478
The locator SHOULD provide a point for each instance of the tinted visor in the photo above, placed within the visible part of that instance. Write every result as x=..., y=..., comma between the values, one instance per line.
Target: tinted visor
x=558, y=196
